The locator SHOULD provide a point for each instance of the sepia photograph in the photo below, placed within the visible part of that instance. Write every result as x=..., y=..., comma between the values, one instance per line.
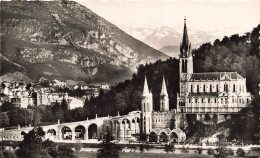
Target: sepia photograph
x=130, y=78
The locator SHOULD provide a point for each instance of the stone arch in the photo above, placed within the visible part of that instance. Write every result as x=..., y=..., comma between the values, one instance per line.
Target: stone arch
x=66, y=133
x=92, y=131
x=126, y=128
x=80, y=132
x=137, y=120
x=117, y=129
x=51, y=132
x=163, y=137
x=152, y=137
x=174, y=137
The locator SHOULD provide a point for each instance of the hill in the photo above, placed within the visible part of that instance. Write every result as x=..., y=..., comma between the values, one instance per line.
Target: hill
x=172, y=51
x=66, y=40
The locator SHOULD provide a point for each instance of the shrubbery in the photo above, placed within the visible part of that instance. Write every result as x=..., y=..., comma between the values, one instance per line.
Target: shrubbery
x=211, y=151
x=240, y=152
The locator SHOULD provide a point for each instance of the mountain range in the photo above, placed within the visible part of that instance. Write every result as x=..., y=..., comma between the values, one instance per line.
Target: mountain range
x=67, y=41
x=167, y=39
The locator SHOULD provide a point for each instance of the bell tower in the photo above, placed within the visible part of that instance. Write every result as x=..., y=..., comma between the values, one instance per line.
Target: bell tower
x=164, y=98
x=146, y=108
x=185, y=68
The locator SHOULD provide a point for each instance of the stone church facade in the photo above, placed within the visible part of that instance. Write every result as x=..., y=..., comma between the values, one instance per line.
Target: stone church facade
x=210, y=92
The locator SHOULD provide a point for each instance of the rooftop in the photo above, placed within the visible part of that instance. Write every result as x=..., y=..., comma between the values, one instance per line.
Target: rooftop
x=215, y=76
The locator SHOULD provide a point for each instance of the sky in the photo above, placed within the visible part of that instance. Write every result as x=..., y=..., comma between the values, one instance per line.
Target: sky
x=206, y=15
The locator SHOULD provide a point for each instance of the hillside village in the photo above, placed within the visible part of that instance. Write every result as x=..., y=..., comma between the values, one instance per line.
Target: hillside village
x=45, y=92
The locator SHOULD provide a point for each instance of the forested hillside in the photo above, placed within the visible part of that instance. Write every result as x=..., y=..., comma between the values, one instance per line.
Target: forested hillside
x=235, y=53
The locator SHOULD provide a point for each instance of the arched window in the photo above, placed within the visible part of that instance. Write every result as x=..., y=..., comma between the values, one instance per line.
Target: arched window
x=204, y=88
x=234, y=87
x=191, y=88
x=217, y=87
x=144, y=107
x=210, y=88
x=226, y=87
x=198, y=88
x=183, y=67
x=202, y=100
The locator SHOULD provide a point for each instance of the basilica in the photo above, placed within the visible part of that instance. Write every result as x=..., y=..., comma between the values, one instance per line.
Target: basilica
x=209, y=92
x=200, y=93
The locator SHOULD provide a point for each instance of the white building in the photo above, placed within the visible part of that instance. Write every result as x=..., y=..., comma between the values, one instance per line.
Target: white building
x=211, y=92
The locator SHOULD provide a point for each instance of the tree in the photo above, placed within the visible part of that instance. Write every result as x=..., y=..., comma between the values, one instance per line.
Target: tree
x=211, y=151
x=240, y=152
x=199, y=150
x=78, y=114
x=222, y=152
x=50, y=147
x=169, y=148
x=64, y=105
x=141, y=148
x=7, y=106
x=65, y=151
x=4, y=120
x=107, y=148
x=78, y=146
x=207, y=117
x=36, y=117
x=32, y=145
x=19, y=117
x=184, y=149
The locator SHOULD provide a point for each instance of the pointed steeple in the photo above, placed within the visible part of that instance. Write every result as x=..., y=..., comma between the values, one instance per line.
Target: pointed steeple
x=164, y=89
x=185, y=41
x=146, y=89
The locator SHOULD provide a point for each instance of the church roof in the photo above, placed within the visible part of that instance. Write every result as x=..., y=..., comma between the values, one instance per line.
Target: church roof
x=178, y=131
x=167, y=130
x=215, y=76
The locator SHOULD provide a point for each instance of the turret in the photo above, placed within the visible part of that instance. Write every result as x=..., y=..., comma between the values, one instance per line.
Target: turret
x=164, y=99
x=146, y=108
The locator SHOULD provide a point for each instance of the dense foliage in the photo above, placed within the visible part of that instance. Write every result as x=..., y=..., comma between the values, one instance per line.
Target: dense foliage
x=108, y=149
x=126, y=96
x=33, y=146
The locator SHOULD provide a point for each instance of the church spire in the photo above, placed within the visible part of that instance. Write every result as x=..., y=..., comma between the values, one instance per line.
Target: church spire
x=146, y=89
x=164, y=89
x=185, y=41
